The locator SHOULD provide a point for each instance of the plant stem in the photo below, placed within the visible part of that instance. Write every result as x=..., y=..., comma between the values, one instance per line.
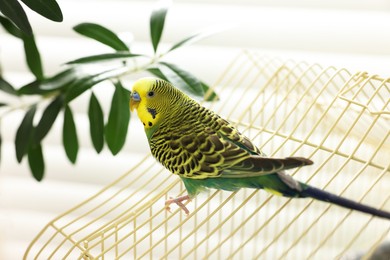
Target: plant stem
x=27, y=105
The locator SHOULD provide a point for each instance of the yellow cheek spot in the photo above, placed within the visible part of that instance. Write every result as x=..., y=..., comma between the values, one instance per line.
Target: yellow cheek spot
x=273, y=192
x=148, y=119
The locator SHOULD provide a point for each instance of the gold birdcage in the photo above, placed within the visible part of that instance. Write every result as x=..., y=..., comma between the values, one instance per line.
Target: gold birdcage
x=338, y=119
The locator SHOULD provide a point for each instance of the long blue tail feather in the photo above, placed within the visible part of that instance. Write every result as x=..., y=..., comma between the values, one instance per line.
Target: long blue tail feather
x=318, y=194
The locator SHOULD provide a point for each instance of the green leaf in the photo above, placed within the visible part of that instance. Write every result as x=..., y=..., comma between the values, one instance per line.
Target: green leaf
x=78, y=87
x=96, y=123
x=157, y=20
x=10, y=27
x=36, y=161
x=33, y=57
x=32, y=88
x=6, y=87
x=48, y=117
x=46, y=8
x=61, y=80
x=209, y=94
x=101, y=34
x=24, y=134
x=118, y=119
x=197, y=37
x=69, y=136
x=14, y=11
x=105, y=57
x=182, y=79
x=157, y=72
x=81, y=85
x=56, y=82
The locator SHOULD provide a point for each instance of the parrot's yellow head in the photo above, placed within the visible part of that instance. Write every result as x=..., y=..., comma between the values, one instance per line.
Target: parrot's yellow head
x=153, y=99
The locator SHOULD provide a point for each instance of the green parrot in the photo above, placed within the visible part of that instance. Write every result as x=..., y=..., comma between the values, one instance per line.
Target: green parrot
x=206, y=151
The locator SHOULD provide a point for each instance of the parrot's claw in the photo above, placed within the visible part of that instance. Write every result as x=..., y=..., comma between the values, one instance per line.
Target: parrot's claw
x=179, y=202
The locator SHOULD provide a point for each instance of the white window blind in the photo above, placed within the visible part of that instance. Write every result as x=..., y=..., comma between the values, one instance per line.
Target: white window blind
x=352, y=34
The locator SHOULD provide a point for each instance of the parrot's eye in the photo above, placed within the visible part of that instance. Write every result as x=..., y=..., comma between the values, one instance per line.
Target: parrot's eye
x=151, y=94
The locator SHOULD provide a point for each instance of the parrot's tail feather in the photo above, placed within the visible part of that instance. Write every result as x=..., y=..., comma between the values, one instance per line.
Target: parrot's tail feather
x=309, y=191
x=300, y=161
x=287, y=163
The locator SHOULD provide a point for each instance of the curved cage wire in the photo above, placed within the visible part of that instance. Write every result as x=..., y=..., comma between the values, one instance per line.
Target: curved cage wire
x=338, y=119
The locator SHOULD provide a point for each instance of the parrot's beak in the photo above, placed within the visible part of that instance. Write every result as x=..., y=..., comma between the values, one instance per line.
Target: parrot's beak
x=134, y=100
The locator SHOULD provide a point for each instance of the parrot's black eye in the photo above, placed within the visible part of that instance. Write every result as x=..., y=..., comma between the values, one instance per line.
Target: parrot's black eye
x=151, y=94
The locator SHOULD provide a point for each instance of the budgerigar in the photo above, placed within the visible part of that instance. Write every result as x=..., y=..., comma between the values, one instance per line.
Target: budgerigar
x=206, y=151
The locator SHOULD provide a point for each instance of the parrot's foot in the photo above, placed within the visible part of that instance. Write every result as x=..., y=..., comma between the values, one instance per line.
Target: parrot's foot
x=179, y=202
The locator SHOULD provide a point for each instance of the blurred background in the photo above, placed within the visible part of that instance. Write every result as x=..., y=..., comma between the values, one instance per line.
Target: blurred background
x=353, y=34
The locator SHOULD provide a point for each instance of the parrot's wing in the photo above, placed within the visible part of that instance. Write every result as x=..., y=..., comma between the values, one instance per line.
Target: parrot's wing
x=197, y=153
x=208, y=154
x=200, y=152
x=257, y=165
x=251, y=161
x=228, y=132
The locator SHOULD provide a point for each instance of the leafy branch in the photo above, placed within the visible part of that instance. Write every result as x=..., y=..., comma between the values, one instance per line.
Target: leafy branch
x=80, y=76
x=15, y=12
